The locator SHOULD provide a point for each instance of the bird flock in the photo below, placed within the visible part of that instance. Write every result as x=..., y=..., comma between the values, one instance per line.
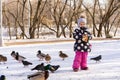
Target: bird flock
x=42, y=69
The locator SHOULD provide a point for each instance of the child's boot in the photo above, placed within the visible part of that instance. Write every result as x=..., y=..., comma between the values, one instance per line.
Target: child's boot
x=85, y=68
x=75, y=69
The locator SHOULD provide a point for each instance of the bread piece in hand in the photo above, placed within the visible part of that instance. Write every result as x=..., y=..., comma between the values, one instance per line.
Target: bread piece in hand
x=85, y=38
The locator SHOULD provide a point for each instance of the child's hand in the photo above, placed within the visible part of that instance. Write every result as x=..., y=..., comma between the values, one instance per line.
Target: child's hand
x=85, y=38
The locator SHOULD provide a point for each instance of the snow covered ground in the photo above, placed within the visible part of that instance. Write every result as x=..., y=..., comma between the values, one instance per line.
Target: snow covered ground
x=107, y=69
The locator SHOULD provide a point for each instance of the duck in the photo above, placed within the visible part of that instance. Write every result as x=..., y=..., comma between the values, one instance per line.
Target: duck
x=47, y=58
x=40, y=55
x=39, y=76
x=62, y=55
x=52, y=68
x=39, y=67
x=2, y=77
x=13, y=54
x=19, y=57
x=3, y=59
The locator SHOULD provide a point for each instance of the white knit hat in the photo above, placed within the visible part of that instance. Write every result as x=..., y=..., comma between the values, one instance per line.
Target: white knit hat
x=81, y=20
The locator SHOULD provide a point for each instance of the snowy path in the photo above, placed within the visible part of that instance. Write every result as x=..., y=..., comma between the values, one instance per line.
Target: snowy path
x=107, y=69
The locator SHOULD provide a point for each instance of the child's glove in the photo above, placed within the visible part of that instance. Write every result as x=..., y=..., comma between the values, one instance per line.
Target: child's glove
x=85, y=38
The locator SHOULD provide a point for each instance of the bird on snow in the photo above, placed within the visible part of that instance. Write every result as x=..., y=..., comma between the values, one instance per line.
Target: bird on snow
x=39, y=76
x=2, y=77
x=19, y=57
x=40, y=55
x=98, y=58
x=62, y=55
x=13, y=54
x=48, y=58
x=3, y=58
x=26, y=63
x=0, y=58
x=52, y=68
x=39, y=67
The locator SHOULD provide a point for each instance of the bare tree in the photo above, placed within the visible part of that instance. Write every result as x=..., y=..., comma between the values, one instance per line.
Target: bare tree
x=63, y=13
x=7, y=21
x=21, y=16
x=117, y=23
x=35, y=18
x=18, y=18
x=57, y=15
x=104, y=16
x=113, y=16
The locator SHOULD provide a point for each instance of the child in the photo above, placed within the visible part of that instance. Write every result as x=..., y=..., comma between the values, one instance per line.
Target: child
x=81, y=45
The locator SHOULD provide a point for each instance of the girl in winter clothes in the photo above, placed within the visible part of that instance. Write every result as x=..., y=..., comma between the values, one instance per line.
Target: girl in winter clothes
x=81, y=45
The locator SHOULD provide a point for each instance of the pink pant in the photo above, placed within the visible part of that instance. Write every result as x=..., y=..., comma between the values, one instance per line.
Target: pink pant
x=80, y=60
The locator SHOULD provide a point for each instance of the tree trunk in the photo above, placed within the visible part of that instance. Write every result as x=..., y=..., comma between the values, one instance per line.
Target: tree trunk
x=100, y=31
x=94, y=33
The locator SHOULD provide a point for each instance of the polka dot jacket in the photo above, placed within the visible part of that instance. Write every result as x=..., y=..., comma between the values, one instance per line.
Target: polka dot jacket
x=79, y=44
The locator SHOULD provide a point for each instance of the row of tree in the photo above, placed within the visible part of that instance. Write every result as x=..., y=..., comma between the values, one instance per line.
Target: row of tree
x=58, y=16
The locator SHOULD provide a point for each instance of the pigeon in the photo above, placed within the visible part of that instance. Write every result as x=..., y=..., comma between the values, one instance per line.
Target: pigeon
x=98, y=58
x=48, y=58
x=19, y=57
x=62, y=55
x=26, y=63
x=39, y=67
x=40, y=55
x=52, y=68
x=2, y=77
x=39, y=76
